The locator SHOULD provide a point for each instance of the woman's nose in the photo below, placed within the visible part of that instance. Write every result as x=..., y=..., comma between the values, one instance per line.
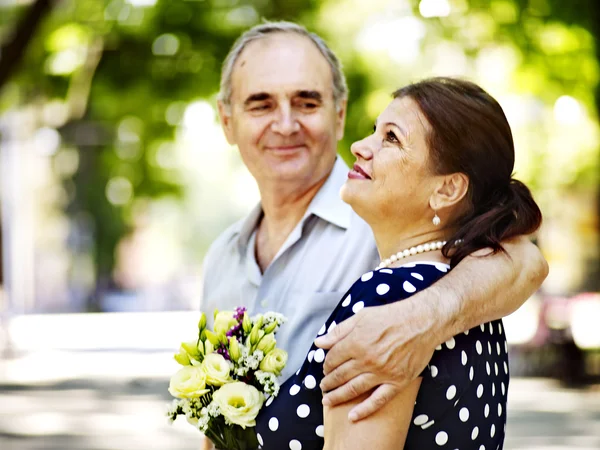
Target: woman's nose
x=362, y=148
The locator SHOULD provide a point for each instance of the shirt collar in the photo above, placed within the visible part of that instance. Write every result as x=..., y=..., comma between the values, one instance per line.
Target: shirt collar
x=326, y=205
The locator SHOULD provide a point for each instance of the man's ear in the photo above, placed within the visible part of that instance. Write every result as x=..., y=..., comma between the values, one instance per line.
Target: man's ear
x=450, y=191
x=225, y=119
x=340, y=119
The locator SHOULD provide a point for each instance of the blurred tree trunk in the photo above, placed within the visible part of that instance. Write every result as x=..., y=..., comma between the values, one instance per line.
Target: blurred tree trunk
x=13, y=51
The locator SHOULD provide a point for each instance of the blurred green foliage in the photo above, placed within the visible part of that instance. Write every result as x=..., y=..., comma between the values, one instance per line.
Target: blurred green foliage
x=119, y=74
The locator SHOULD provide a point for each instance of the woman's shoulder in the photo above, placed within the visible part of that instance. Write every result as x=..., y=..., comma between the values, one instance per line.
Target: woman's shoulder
x=399, y=282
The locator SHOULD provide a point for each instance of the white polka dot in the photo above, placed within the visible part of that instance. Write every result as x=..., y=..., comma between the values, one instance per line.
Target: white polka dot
x=434, y=371
x=496, y=368
x=269, y=401
x=259, y=439
x=319, y=355
x=479, y=391
x=441, y=438
x=310, y=382
x=298, y=371
x=331, y=327
x=503, y=388
x=441, y=267
x=467, y=333
x=303, y=411
x=418, y=276
x=320, y=431
x=463, y=414
x=295, y=445
x=493, y=389
x=367, y=276
x=439, y=347
x=505, y=347
x=382, y=289
x=482, y=326
x=499, y=409
x=322, y=330
x=486, y=411
x=310, y=356
x=500, y=328
x=347, y=301
x=428, y=424
x=498, y=348
x=474, y=433
x=421, y=419
x=294, y=390
x=491, y=328
x=478, y=347
x=493, y=430
x=273, y=424
x=505, y=368
x=463, y=358
x=482, y=447
x=408, y=287
x=390, y=271
x=451, y=343
x=451, y=392
x=489, y=348
x=357, y=307
x=487, y=368
x=471, y=373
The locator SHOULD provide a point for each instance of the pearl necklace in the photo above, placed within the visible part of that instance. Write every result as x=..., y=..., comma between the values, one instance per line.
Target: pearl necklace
x=422, y=248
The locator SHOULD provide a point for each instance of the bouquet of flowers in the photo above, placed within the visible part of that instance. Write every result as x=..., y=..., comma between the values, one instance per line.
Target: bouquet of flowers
x=227, y=375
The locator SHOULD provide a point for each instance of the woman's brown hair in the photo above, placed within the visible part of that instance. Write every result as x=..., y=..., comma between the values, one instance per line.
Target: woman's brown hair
x=470, y=134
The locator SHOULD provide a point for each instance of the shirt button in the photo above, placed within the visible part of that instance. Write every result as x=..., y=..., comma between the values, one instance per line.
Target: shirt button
x=264, y=303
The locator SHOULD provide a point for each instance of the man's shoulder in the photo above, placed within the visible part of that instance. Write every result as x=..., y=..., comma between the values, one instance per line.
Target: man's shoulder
x=225, y=241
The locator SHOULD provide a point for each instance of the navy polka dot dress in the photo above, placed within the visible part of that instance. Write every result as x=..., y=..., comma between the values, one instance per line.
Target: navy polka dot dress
x=461, y=403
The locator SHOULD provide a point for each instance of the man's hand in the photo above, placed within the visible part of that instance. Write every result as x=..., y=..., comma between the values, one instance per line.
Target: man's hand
x=382, y=348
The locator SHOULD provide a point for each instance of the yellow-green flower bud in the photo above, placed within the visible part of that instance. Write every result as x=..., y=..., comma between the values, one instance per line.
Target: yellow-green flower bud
x=208, y=347
x=246, y=323
x=202, y=322
x=212, y=338
x=223, y=323
x=266, y=342
x=271, y=327
x=234, y=349
x=255, y=334
x=191, y=349
x=215, y=313
x=182, y=358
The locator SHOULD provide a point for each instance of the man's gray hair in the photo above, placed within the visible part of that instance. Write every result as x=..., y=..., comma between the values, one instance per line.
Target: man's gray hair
x=340, y=88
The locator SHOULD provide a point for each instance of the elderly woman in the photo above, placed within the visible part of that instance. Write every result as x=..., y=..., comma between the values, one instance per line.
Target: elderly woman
x=434, y=183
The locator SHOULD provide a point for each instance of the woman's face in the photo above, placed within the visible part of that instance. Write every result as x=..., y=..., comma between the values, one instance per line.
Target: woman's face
x=391, y=180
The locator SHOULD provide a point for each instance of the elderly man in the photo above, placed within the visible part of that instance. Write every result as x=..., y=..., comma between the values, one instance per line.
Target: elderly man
x=283, y=103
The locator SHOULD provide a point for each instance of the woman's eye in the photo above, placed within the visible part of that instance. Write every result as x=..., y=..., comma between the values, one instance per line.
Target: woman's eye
x=390, y=136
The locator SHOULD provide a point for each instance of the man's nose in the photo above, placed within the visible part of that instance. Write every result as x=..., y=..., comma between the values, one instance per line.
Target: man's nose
x=286, y=122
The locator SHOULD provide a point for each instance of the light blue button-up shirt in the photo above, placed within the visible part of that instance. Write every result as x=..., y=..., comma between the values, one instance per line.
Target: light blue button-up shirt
x=329, y=249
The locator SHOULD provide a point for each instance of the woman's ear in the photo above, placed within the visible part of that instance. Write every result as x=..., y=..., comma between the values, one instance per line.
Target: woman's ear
x=450, y=191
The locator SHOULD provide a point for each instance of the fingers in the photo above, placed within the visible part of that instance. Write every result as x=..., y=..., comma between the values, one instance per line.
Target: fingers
x=339, y=376
x=337, y=334
x=342, y=351
x=349, y=391
x=374, y=403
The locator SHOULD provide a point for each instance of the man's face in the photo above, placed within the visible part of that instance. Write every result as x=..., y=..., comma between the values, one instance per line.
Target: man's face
x=282, y=115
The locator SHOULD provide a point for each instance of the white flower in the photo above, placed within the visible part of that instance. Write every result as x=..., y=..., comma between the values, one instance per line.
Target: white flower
x=216, y=368
x=223, y=322
x=239, y=403
x=188, y=382
x=275, y=361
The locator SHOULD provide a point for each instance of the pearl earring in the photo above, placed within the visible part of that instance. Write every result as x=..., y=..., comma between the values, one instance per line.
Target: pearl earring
x=436, y=220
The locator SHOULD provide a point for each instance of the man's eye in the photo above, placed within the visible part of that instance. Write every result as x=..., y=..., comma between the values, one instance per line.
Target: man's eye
x=308, y=105
x=259, y=108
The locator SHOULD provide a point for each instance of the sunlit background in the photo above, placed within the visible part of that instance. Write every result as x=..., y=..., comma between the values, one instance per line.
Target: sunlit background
x=115, y=177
